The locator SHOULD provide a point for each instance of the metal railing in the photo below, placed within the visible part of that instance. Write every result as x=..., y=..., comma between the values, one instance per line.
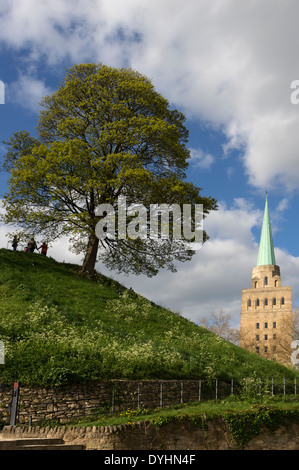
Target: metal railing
x=137, y=396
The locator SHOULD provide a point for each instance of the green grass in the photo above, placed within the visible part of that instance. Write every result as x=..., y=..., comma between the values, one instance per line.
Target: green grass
x=196, y=412
x=245, y=418
x=58, y=327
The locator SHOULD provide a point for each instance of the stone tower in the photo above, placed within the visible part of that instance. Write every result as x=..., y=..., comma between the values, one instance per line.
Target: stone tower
x=266, y=309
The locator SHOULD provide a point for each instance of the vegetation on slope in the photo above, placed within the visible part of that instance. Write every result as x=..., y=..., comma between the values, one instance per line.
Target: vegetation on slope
x=58, y=327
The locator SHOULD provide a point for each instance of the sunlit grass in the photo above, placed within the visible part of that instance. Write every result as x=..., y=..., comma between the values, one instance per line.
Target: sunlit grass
x=207, y=409
x=58, y=327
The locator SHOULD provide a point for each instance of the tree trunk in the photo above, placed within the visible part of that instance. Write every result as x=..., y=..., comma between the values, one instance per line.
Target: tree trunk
x=90, y=256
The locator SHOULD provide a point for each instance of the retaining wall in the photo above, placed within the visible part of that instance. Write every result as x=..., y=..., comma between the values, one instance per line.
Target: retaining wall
x=172, y=436
x=78, y=400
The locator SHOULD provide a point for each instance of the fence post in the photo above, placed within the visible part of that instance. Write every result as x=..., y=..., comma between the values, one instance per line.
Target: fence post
x=14, y=403
x=272, y=387
x=232, y=386
x=295, y=390
x=138, y=396
x=216, y=389
x=199, y=390
x=84, y=404
x=161, y=394
x=113, y=398
x=182, y=392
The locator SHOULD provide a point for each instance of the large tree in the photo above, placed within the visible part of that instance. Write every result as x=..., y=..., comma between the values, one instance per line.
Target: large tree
x=103, y=134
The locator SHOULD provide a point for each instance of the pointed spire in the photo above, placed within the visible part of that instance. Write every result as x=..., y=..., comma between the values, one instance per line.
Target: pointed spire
x=266, y=254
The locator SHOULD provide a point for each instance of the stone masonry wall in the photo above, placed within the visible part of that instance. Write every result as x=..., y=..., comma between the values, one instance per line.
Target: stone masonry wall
x=78, y=400
x=173, y=436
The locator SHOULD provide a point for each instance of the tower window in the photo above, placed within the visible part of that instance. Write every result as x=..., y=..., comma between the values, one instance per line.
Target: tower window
x=266, y=325
x=249, y=303
x=266, y=349
x=266, y=281
x=275, y=283
x=274, y=324
x=266, y=302
x=255, y=284
x=257, y=326
x=274, y=301
x=266, y=337
x=282, y=300
x=257, y=337
x=257, y=349
x=257, y=302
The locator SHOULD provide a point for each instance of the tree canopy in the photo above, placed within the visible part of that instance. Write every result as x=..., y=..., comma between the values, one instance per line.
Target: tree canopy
x=104, y=133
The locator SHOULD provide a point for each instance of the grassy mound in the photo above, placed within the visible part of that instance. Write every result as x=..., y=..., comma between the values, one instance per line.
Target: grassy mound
x=58, y=327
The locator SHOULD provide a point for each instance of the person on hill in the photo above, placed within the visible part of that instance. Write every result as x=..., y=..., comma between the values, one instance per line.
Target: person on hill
x=44, y=248
x=15, y=242
x=32, y=245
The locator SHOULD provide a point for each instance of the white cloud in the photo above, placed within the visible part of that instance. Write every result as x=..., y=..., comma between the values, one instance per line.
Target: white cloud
x=27, y=92
x=201, y=159
x=228, y=62
x=232, y=64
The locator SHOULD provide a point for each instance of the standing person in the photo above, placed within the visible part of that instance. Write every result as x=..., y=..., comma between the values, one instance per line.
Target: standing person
x=44, y=248
x=32, y=245
x=15, y=242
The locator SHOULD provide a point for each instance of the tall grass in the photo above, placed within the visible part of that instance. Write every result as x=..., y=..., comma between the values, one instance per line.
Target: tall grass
x=58, y=327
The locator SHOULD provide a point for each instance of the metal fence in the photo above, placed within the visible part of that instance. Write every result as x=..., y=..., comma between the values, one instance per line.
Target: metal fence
x=147, y=395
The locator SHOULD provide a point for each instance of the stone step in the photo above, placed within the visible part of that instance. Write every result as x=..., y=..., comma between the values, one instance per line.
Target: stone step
x=38, y=444
x=51, y=447
x=38, y=441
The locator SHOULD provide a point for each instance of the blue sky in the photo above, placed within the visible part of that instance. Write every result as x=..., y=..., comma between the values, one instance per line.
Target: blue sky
x=228, y=66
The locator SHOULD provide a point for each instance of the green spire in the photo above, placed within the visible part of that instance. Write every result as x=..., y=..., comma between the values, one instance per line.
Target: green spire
x=266, y=251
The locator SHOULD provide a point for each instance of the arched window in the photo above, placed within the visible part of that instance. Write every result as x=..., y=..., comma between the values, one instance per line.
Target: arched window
x=282, y=300
x=255, y=284
x=274, y=301
x=266, y=281
x=257, y=302
x=266, y=302
x=275, y=283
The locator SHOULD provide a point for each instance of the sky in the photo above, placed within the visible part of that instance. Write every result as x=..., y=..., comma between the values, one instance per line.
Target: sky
x=229, y=67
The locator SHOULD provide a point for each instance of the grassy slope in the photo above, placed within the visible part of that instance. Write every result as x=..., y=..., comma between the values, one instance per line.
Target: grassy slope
x=58, y=327
x=194, y=411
